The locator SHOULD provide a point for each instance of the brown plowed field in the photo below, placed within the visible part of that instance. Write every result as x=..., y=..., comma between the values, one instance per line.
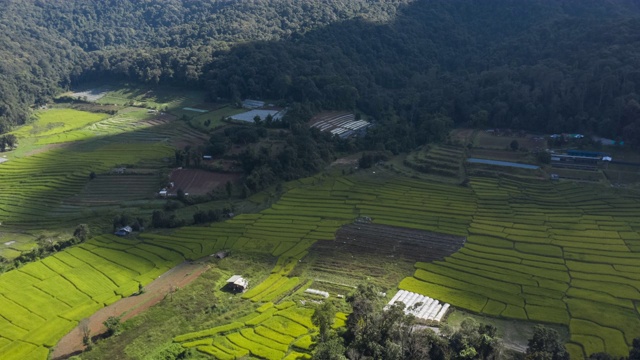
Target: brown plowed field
x=199, y=182
x=390, y=241
x=379, y=253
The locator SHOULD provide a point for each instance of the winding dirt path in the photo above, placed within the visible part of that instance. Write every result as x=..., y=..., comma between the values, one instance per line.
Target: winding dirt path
x=177, y=277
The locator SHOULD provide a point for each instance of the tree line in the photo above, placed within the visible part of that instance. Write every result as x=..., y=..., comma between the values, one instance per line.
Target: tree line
x=45, y=45
x=418, y=68
x=375, y=332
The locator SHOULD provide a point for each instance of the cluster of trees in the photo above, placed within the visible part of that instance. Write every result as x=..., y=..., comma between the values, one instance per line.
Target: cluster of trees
x=374, y=333
x=166, y=219
x=202, y=216
x=45, y=45
x=45, y=247
x=302, y=152
x=8, y=141
x=124, y=219
x=188, y=156
x=367, y=160
x=542, y=66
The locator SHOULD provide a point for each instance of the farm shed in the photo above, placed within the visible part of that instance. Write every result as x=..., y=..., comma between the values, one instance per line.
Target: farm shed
x=221, y=254
x=124, y=231
x=575, y=162
x=426, y=309
x=249, y=116
x=590, y=154
x=343, y=125
x=237, y=283
x=252, y=104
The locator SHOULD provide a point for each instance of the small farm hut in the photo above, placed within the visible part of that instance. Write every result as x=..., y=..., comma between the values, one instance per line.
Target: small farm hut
x=237, y=283
x=124, y=231
x=252, y=104
x=221, y=254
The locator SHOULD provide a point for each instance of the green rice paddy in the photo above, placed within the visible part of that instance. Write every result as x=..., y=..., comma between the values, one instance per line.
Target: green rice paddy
x=535, y=251
x=52, y=124
x=558, y=253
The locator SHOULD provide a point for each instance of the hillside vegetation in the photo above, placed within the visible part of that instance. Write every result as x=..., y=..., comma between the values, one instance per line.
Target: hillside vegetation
x=418, y=67
x=535, y=251
x=506, y=244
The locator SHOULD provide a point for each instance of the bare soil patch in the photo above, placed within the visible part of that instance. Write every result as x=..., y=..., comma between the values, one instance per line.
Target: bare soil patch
x=199, y=182
x=393, y=242
x=127, y=308
x=463, y=136
x=45, y=148
x=114, y=189
x=348, y=160
x=505, y=155
x=91, y=94
x=378, y=253
x=503, y=140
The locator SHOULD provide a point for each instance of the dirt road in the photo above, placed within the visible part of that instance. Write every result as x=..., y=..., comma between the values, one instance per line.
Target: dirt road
x=127, y=308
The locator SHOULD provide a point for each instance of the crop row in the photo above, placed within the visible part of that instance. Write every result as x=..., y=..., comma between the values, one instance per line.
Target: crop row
x=543, y=252
x=272, y=333
x=42, y=301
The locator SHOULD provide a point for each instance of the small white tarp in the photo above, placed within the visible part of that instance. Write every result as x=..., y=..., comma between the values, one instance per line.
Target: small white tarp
x=239, y=281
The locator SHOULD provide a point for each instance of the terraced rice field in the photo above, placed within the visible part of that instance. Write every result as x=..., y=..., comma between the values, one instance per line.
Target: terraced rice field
x=401, y=243
x=32, y=188
x=380, y=254
x=273, y=332
x=159, y=97
x=55, y=123
x=547, y=252
x=43, y=300
x=308, y=213
x=116, y=189
x=49, y=186
x=555, y=253
x=199, y=182
x=443, y=160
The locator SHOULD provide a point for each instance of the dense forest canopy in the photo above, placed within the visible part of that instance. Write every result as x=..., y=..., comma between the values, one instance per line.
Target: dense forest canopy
x=417, y=67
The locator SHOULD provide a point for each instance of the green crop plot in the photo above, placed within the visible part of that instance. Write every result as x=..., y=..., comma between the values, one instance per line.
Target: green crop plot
x=535, y=251
x=225, y=345
x=305, y=342
x=300, y=315
x=285, y=326
x=216, y=352
x=53, y=122
x=259, y=339
x=44, y=300
x=208, y=332
x=275, y=337
x=548, y=245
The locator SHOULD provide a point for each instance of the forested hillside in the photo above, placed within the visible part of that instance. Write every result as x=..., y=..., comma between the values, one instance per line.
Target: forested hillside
x=45, y=43
x=418, y=67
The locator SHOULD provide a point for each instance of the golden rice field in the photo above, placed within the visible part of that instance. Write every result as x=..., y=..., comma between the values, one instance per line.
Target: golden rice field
x=559, y=253
x=553, y=253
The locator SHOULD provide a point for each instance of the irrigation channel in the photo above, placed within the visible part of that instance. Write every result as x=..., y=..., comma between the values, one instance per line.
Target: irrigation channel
x=502, y=163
